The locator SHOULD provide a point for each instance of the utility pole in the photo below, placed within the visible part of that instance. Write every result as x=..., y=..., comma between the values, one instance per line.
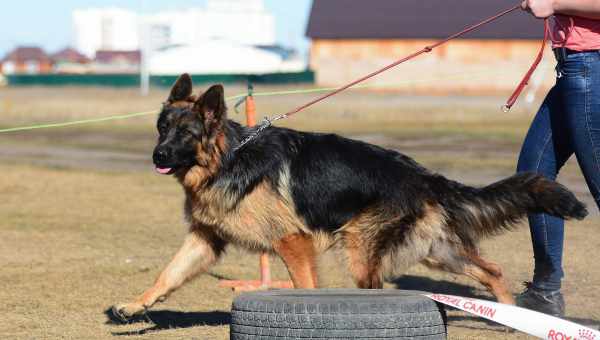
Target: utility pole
x=145, y=50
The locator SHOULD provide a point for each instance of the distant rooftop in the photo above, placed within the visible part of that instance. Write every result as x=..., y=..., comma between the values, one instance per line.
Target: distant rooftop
x=417, y=19
x=69, y=54
x=110, y=56
x=26, y=53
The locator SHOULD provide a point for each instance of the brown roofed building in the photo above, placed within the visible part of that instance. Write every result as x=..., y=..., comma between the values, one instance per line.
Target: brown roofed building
x=70, y=55
x=352, y=38
x=110, y=61
x=26, y=60
x=69, y=60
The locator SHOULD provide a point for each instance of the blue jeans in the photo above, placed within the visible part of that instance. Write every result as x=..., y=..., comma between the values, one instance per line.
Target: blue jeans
x=567, y=123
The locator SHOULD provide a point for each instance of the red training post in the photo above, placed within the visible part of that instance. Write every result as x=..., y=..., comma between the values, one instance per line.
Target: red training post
x=265, y=268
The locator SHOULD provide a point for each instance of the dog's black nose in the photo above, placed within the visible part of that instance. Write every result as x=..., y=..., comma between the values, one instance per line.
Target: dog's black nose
x=160, y=156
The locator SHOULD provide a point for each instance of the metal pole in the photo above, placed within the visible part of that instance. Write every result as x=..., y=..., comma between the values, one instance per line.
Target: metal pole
x=145, y=49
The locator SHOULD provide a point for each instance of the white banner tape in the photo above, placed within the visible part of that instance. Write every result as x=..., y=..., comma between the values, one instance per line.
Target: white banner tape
x=537, y=324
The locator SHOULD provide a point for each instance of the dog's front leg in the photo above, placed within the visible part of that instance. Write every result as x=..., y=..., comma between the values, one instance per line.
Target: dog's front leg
x=199, y=251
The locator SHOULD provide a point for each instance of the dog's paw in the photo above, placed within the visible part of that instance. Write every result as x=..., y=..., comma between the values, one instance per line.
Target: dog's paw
x=127, y=311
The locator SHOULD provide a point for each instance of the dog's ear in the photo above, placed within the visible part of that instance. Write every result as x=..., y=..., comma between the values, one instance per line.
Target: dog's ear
x=182, y=89
x=211, y=106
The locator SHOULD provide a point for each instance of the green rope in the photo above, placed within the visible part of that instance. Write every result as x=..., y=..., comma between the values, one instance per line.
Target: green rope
x=146, y=113
x=90, y=121
x=77, y=122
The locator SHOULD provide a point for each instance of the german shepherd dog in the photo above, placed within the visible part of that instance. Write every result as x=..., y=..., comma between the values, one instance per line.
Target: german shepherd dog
x=294, y=193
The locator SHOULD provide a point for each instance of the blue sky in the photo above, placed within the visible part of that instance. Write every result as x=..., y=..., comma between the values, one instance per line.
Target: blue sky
x=48, y=23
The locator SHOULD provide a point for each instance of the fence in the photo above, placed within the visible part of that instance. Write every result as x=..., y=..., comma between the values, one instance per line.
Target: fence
x=133, y=80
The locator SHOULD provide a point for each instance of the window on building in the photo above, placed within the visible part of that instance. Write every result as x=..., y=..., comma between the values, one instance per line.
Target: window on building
x=32, y=66
x=8, y=67
x=160, y=36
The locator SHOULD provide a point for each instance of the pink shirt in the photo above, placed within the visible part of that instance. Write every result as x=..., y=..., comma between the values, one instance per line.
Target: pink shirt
x=575, y=33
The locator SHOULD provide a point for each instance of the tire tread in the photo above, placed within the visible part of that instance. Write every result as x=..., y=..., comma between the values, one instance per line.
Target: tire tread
x=336, y=315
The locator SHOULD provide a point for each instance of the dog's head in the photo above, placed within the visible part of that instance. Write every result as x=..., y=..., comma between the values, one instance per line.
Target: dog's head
x=188, y=127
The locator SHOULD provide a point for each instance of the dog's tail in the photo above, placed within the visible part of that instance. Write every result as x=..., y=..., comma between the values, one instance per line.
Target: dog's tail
x=490, y=210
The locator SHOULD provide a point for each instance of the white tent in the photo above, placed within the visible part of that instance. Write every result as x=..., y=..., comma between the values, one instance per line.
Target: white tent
x=217, y=57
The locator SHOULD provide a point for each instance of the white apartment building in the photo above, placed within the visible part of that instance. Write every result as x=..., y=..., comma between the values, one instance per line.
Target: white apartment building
x=244, y=22
x=105, y=29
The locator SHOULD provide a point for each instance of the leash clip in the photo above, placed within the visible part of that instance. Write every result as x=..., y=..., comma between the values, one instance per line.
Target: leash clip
x=259, y=128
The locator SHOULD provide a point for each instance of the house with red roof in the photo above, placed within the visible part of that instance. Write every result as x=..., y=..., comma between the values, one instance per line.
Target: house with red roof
x=117, y=61
x=26, y=60
x=71, y=61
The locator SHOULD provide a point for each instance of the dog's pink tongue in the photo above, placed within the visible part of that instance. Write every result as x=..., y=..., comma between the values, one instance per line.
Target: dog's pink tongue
x=163, y=171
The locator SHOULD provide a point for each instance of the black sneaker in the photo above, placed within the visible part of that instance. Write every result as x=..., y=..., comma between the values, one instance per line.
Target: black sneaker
x=551, y=303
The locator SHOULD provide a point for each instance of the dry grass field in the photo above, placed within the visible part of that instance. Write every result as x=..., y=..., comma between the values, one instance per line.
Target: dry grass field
x=86, y=223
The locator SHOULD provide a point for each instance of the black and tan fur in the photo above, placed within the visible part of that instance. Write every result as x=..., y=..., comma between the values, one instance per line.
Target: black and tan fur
x=292, y=193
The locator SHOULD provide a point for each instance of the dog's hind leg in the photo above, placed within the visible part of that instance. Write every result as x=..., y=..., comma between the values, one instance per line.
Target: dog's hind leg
x=199, y=251
x=490, y=275
x=299, y=255
x=469, y=263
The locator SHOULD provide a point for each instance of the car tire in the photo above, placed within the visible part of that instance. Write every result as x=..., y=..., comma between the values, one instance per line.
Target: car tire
x=336, y=314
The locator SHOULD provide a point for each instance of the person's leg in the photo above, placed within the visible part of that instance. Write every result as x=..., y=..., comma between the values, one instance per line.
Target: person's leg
x=545, y=151
x=582, y=102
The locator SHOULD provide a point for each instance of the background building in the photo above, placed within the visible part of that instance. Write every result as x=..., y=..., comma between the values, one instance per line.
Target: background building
x=229, y=40
x=217, y=57
x=370, y=34
x=69, y=60
x=105, y=29
x=244, y=22
x=26, y=60
x=238, y=21
x=225, y=37
x=114, y=61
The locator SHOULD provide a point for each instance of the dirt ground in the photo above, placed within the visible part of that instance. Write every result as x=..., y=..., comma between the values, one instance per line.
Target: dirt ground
x=85, y=222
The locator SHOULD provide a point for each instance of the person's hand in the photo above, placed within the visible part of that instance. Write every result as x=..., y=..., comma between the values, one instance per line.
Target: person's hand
x=541, y=9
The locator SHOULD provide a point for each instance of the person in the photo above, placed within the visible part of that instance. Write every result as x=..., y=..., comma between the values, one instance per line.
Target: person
x=567, y=123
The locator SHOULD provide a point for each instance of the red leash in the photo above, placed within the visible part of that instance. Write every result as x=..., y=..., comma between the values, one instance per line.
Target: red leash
x=513, y=99
x=268, y=121
x=426, y=49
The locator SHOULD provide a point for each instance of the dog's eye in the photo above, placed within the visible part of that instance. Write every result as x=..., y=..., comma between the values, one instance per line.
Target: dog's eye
x=162, y=129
